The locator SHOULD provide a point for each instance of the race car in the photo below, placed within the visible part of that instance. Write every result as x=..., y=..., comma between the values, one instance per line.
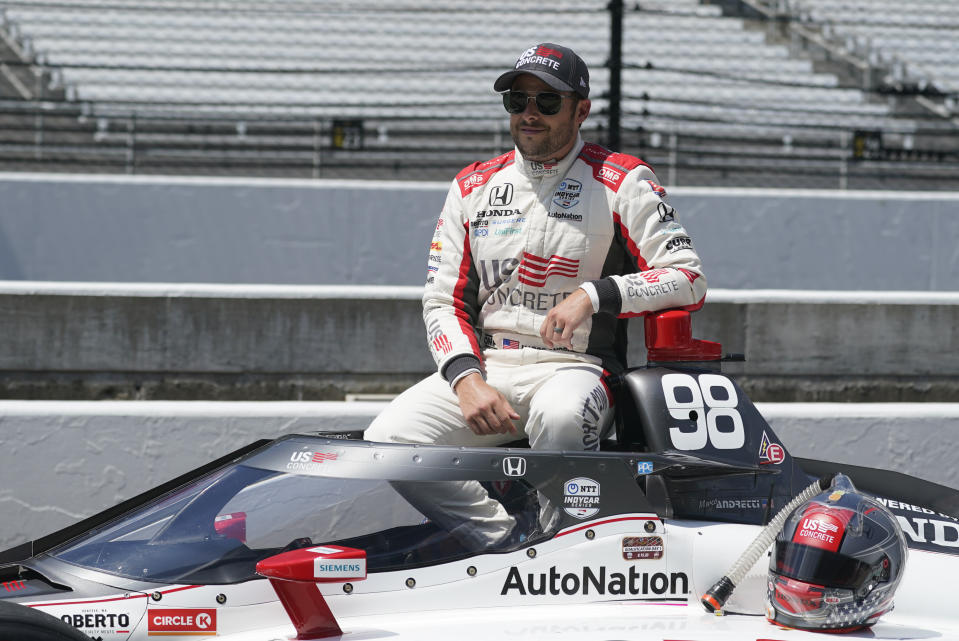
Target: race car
x=316, y=536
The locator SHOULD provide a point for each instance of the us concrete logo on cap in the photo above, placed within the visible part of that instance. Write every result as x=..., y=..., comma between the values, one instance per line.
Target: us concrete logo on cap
x=540, y=55
x=581, y=497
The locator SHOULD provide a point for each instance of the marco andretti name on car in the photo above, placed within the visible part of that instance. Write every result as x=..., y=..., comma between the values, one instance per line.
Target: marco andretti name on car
x=632, y=582
x=732, y=504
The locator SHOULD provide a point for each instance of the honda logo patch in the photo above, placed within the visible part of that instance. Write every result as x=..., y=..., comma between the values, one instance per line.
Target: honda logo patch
x=501, y=195
x=514, y=466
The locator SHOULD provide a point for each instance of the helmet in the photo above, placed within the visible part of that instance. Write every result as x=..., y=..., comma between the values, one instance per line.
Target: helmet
x=837, y=562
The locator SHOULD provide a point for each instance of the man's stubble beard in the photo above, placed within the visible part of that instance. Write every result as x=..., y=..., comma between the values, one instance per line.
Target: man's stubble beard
x=557, y=136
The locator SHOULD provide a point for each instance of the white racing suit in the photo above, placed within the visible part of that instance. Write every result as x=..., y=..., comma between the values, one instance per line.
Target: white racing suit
x=514, y=239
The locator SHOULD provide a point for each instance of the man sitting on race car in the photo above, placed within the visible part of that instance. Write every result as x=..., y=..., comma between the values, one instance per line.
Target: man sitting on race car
x=538, y=257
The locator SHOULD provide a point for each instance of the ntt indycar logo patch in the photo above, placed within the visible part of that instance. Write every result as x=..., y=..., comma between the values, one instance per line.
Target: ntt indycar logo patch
x=181, y=621
x=581, y=497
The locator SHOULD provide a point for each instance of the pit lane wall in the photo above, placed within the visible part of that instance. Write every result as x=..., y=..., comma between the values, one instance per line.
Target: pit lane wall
x=94, y=228
x=95, y=341
x=63, y=461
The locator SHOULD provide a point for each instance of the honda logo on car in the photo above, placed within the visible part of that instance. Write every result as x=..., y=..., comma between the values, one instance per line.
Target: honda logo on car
x=514, y=466
x=174, y=621
x=581, y=497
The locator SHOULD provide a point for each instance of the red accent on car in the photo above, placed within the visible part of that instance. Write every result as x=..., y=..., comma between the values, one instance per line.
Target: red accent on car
x=294, y=576
x=307, y=609
x=231, y=526
x=669, y=338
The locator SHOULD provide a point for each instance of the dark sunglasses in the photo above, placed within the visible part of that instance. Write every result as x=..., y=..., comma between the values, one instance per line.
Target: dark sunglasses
x=547, y=102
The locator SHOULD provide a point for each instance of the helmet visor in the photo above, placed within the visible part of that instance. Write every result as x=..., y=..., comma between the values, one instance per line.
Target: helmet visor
x=821, y=567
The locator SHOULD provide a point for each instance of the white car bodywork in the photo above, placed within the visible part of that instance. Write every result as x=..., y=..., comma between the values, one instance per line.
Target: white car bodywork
x=451, y=601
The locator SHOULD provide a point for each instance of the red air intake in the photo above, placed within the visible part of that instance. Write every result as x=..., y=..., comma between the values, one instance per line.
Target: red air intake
x=669, y=338
x=294, y=576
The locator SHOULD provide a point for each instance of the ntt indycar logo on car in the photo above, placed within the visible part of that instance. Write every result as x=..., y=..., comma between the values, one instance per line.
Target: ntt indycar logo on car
x=581, y=497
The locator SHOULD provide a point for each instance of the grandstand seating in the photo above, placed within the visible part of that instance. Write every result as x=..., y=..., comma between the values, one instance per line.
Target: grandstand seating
x=405, y=67
x=920, y=35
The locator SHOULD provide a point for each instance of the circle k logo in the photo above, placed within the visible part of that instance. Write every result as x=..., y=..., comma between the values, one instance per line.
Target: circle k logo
x=173, y=621
x=204, y=621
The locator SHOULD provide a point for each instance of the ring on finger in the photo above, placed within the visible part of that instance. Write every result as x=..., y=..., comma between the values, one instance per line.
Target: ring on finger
x=557, y=329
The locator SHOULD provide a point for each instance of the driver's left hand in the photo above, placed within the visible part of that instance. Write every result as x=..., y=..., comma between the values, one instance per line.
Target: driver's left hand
x=567, y=316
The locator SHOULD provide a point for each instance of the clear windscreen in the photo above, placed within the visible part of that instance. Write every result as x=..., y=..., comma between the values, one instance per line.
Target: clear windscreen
x=216, y=529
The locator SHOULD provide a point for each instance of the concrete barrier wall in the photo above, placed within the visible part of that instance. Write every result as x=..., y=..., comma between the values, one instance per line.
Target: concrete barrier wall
x=301, y=341
x=64, y=461
x=242, y=230
x=74, y=341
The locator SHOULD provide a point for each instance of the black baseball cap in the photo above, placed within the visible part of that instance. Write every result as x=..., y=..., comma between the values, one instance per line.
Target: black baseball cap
x=556, y=65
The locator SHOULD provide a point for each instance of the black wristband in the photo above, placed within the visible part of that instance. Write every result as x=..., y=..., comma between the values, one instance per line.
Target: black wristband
x=459, y=364
x=610, y=300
